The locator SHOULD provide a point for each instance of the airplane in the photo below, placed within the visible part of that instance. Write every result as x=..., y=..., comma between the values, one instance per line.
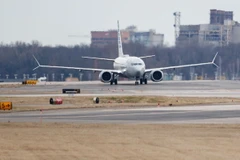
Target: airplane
x=42, y=79
x=128, y=67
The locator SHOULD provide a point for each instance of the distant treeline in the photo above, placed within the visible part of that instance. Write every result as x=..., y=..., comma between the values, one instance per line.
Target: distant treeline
x=17, y=58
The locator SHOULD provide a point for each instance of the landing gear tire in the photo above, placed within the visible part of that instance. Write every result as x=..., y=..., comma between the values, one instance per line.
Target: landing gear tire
x=136, y=83
x=145, y=81
x=141, y=81
x=115, y=81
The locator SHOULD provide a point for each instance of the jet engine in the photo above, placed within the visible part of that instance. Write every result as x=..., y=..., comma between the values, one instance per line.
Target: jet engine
x=156, y=75
x=105, y=76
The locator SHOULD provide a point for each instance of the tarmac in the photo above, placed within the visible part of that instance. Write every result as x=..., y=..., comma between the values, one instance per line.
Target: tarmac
x=200, y=88
x=184, y=114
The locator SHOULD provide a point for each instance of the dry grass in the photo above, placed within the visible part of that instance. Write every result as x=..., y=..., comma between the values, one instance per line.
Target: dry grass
x=36, y=103
x=54, y=141
x=10, y=86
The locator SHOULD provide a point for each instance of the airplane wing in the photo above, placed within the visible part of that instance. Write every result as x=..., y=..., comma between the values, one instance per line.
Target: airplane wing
x=98, y=58
x=76, y=68
x=187, y=65
x=142, y=57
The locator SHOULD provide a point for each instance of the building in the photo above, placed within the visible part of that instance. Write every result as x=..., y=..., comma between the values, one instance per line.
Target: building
x=206, y=34
x=101, y=38
x=216, y=34
x=236, y=33
x=218, y=16
x=130, y=34
x=149, y=38
x=222, y=30
x=188, y=33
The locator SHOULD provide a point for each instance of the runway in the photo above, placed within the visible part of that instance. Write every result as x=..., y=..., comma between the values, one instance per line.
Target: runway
x=185, y=114
x=206, y=88
x=228, y=114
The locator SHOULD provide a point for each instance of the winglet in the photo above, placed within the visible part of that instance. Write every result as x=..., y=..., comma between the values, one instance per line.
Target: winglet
x=37, y=63
x=213, y=61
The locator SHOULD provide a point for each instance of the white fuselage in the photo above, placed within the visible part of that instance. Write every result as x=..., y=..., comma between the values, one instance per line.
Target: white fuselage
x=131, y=67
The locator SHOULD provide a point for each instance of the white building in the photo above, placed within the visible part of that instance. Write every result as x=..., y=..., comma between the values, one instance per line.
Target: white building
x=216, y=34
x=148, y=38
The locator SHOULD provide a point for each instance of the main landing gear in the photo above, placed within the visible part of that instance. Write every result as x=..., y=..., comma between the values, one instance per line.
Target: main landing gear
x=142, y=80
x=114, y=80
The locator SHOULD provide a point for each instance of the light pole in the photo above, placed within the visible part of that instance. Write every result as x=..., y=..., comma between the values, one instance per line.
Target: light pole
x=181, y=75
x=195, y=76
x=80, y=76
x=34, y=76
x=15, y=75
x=192, y=72
x=53, y=77
x=205, y=76
x=216, y=75
x=62, y=76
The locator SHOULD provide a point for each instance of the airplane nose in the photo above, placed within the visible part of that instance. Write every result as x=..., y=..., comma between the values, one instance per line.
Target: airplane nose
x=138, y=73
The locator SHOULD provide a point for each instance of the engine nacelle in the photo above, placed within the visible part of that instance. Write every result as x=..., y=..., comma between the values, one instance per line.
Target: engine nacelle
x=105, y=76
x=156, y=75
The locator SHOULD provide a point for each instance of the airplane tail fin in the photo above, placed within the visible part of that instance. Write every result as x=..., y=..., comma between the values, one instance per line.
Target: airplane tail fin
x=120, y=49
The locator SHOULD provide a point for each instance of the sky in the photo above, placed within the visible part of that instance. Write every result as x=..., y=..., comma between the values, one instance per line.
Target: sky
x=52, y=21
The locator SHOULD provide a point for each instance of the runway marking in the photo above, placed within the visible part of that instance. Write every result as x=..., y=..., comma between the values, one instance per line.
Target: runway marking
x=208, y=121
x=161, y=116
x=91, y=116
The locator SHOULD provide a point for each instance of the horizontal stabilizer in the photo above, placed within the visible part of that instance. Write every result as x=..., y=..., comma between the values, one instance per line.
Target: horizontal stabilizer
x=142, y=57
x=76, y=68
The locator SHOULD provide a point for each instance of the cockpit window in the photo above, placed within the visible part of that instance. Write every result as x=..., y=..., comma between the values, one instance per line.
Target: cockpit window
x=136, y=64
